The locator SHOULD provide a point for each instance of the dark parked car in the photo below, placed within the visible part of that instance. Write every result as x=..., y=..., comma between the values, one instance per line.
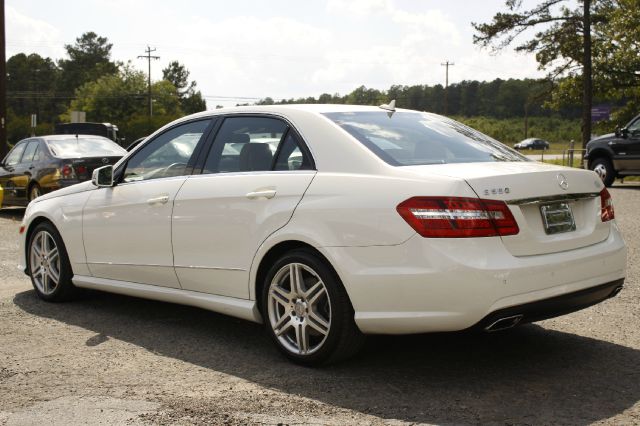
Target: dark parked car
x=615, y=154
x=532, y=143
x=45, y=163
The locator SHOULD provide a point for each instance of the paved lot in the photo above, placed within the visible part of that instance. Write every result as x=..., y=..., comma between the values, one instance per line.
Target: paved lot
x=113, y=360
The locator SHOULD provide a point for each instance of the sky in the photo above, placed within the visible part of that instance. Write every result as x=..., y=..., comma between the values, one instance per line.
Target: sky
x=244, y=50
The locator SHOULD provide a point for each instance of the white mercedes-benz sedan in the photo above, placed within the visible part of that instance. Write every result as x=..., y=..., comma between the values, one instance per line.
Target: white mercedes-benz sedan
x=329, y=222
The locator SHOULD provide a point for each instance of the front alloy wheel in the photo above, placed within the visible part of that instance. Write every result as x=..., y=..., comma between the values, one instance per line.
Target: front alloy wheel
x=44, y=259
x=307, y=311
x=49, y=265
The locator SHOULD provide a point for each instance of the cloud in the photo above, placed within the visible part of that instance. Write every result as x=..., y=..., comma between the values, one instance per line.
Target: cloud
x=359, y=8
x=26, y=34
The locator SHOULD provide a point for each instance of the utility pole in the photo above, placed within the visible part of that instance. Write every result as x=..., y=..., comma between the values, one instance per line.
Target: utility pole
x=3, y=86
x=446, y=64
x=587, y=94
x=148, y=57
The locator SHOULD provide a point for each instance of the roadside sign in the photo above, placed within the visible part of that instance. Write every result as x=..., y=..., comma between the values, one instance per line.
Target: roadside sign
x=600, y=112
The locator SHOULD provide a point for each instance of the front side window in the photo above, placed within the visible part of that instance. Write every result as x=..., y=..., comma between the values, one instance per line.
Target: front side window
x=634, y=128
x=167, y=155
x=414, y=138
x=14, y=156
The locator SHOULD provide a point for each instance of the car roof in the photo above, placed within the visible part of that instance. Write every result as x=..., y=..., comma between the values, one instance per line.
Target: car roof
x=70, y=136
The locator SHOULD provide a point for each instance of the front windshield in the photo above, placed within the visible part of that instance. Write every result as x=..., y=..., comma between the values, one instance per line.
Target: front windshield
x=74, y=147
x=415, y=138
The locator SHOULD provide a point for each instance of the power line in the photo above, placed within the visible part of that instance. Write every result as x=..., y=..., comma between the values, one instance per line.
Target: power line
x=447, y=64
x=148, y=57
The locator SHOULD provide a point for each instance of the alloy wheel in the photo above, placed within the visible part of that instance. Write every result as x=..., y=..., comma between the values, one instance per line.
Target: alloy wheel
x=44, y=262
x=299, y=309
x=601, y=171
x=34, y=193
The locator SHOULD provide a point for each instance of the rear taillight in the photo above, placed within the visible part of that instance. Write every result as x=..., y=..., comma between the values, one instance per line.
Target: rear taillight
x=606, y=206
x=66, y=171
x=81, y=170
x=458, y=217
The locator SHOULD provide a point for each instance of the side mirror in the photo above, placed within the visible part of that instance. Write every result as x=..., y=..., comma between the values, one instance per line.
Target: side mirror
x=103, y=177
x=622, y=132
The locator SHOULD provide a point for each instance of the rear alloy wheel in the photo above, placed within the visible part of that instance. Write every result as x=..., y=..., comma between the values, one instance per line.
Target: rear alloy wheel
x=34, y=192
x=307, y=311
x=49, y=266
x=603, y=168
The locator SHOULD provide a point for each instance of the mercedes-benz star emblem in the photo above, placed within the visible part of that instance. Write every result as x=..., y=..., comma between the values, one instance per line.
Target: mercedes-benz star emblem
x=562, y=181
x=105, y=160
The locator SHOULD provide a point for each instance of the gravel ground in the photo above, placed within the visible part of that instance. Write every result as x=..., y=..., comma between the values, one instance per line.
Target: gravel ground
x=108, y=359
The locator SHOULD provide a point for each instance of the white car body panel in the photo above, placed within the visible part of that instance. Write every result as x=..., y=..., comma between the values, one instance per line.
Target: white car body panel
x=398, y=281
x=127, y=232
x=218, y=225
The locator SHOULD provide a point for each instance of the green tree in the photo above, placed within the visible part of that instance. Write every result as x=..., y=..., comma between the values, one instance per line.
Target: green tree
x=120, y=98
x=562, y=43
x=31, y=89
x=89, y=59
x=191, y=99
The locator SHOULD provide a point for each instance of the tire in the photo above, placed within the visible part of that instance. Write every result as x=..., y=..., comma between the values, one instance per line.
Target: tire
x=311, y=324
x=34, y=192
x=48, y=264
x=603, y=168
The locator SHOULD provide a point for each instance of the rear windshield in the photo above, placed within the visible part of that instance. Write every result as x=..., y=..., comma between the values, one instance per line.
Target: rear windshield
x=85, y=147
x=415, y=138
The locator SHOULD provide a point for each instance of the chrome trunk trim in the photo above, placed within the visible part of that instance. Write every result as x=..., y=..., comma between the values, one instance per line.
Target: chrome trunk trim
x=553, y=198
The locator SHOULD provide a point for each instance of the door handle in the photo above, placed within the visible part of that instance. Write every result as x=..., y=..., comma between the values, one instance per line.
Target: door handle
x=158, y=200
x=262, y=193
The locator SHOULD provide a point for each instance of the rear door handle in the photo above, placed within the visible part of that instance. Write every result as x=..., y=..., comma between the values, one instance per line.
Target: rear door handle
x=158, y=200
x=262, y=193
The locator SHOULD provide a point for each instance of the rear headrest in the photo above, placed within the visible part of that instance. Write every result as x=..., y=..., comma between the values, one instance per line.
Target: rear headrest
x=255, y=156
x=240, y=138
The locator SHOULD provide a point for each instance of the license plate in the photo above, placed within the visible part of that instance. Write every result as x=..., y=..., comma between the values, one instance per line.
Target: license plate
x=557, y=218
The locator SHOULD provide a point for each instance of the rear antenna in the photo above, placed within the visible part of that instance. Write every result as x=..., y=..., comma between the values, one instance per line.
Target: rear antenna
x=390, y=107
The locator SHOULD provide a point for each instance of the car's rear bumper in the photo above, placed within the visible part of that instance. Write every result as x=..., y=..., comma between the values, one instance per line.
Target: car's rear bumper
x=549, y=308
x=430, y=285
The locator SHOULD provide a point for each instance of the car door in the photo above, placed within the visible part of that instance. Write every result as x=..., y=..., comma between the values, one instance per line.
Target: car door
x=127, y=227
x=254, y=177
x=626, y=147
x=10, y=174
x=633, y=144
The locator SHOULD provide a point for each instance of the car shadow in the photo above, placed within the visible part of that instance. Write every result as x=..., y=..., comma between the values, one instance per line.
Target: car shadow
x=13, y=213
x=527, y=375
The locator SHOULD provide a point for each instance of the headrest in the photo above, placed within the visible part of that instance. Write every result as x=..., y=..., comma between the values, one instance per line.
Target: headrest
x=255, y=156
x=240, y=138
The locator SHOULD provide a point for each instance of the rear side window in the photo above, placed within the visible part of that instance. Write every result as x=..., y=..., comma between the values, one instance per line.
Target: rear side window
x=29, y=152
x=248, y=144
x=414, y=138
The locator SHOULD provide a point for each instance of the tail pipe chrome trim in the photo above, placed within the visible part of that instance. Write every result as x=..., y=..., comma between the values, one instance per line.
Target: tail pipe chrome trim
x=616, y=291
x=504, y=323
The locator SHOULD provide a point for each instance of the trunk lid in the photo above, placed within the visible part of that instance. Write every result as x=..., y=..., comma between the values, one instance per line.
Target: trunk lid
x=84, y=167
x=543, y=199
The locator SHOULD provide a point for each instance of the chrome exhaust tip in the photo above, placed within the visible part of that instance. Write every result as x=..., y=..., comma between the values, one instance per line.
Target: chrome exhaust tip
x=504, y=323
x=616, y=291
